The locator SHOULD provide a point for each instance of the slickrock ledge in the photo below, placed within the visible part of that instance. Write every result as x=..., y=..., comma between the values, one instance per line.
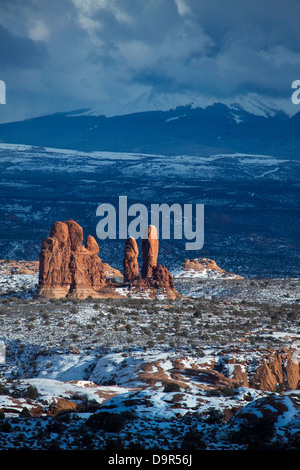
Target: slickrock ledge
x=204, y=268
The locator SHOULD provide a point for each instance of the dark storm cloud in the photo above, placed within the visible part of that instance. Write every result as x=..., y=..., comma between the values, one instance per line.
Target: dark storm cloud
x=20, y=52
x=80, y=53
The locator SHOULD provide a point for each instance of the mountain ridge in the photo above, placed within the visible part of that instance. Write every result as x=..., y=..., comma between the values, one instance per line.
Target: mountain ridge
x=186, y=129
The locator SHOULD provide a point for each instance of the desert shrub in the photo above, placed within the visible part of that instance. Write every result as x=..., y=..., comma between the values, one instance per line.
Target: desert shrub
x=25, y=413
x=31, y=392
x=197, y=313
x=86, y=405
x=255, y=434
x=5, y=426
x=3, y=389
x=227, y=391
x=110, y=422
x=193, y=440
x=214, y=416
x=171, y=387
x=114, y=444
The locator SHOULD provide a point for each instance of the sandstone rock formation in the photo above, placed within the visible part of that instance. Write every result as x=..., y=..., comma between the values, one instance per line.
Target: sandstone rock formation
x=272, y=410
x=155, y=277
x=204, y=267
x=112, y=273
x=277, y=371
x=161, y=278
x=59, y=405
x=66, y=267
x=130, y=261
x=150, y=252
x=8, y=267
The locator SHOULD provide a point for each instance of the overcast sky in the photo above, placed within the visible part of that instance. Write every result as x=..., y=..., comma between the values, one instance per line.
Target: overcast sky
x=60, y=55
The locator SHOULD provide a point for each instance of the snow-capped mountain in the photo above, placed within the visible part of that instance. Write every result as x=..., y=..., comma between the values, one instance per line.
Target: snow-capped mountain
x=153, y=100
x=242, y=126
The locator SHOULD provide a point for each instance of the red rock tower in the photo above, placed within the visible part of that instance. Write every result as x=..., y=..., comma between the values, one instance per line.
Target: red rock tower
x=150, y=252
x=130, y=260
x=66, y=267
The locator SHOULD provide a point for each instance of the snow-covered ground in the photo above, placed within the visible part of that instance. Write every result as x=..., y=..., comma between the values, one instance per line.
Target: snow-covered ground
x=51, y=160
x=164, y=370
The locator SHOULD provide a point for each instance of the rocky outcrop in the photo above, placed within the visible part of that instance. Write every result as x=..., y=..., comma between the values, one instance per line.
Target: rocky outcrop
x=8, y=267
x=155, y=277
x=254, y=425
x=130, y=261
x=112, y=273
x=160, y=283
x=150, y=247
x=277, y=371
x=66, y=267
x=161, y=278
x=204, y=267
x=59, y=405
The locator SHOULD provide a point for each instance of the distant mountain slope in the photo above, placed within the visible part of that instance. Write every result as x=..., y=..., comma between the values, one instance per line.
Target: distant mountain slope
x=251, y=203
x=213, y=129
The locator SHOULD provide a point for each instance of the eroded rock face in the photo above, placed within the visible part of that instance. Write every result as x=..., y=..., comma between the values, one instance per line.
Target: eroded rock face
x=161, y=282
x=155, y=277
x=66, y=267
x=207, y=267
x=61, y=404
x=130, y=261
x=277, y=371
x=150, y=247
x=162, y=278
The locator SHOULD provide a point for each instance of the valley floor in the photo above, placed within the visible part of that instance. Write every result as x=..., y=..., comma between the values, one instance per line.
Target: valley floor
x=148, y=374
